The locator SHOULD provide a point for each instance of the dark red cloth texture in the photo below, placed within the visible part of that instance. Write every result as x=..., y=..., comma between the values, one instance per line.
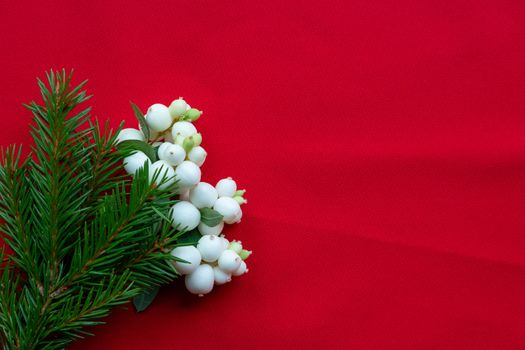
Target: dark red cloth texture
x=382, y=144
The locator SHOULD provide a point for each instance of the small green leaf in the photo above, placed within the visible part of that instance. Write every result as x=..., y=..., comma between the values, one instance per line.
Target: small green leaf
x=210, y=217
x=136, y=145
x=142, y=301
x=141, y=119
x=189, y=238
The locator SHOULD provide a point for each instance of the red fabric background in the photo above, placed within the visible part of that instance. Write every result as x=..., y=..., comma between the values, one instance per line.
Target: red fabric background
x=382, y=144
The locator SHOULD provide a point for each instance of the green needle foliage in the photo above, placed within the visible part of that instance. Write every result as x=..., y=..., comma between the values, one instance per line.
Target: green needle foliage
x=82, y=237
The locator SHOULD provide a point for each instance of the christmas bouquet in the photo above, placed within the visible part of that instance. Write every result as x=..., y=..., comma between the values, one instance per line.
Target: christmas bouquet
x=92, y=217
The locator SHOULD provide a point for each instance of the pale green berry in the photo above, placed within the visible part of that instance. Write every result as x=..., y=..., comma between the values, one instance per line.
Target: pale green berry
x=236, y=246
x=192, y=114
x=197, y=139
x=240, y=200
x=245, y=254
x=188, y=144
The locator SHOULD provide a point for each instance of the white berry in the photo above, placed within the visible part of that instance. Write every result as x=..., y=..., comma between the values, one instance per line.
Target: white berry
x=163, y=173
x=188, y=253
x=201, y=280
x=203, y=195
x=241, y=270
x=184, y=215
x=210, y=230
x=130, y=134
x=228, y=208
x=226, y=187
x=184, y=129
x=178, y=107
x=210, y=248
x=221, y=277
x=197, y=155
x=229, y=261
x=135, y=161
x=171, y=153
x=188, y=174
x=158, y=117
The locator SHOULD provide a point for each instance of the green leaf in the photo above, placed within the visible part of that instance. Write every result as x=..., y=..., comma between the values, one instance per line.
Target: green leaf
x=136, y=145
x=141, y=119
x=142, y=301
x=210, y=217
x=189, y=238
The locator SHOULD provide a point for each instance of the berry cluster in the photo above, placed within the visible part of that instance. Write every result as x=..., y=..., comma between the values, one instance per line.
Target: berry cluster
x=202, y=208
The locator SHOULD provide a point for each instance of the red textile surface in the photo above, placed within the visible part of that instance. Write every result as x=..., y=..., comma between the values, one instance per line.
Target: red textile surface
x=382, y=144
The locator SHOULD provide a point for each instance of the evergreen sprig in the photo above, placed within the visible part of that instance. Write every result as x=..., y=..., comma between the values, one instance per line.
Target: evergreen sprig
x=83, y=238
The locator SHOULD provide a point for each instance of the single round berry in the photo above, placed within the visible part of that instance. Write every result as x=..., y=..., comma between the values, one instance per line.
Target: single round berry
x=190, y=254
x=210, y=248
x=158, y=117
x=188, y=174
x=185, y=216
x=210, y=230
x=220, y=276
x=171, y=153
x=228, y=208
x=185, y=129
x=135, y=161
x=130, y=134
x=229, y=261
x=241, y=270
x=163, y=174
x=192, y=114
x=178, y=107
x=197, y=155
x=226, y=187
x=201, y=280
x=203, y=195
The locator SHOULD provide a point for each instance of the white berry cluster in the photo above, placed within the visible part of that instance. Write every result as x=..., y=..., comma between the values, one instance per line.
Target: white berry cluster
x=202, y=207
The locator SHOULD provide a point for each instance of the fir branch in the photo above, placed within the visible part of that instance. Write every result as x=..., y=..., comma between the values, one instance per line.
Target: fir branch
x=84, y=238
